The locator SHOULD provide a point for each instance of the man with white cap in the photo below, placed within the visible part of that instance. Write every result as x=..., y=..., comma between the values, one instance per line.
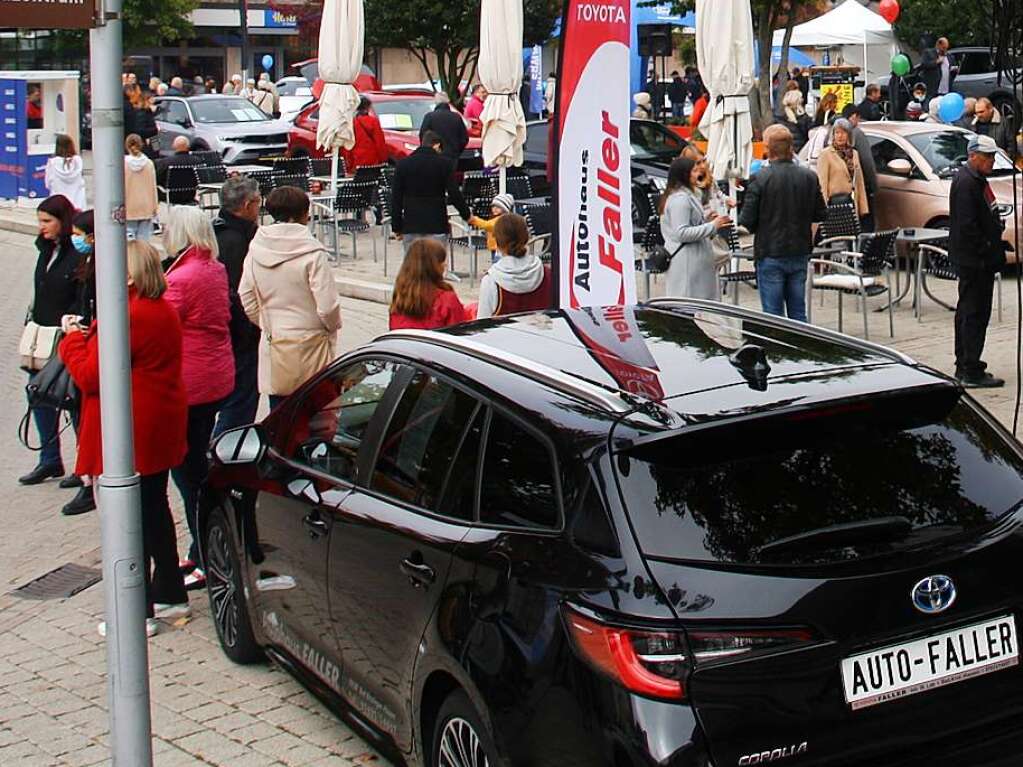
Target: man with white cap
x=976, y=247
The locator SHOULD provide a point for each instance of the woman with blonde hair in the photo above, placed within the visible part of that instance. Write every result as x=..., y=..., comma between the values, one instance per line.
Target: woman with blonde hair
x=287, y=289
x=159, y=407
x=838, y=169
x=827, y=110
x=421, y=298
x=197, y=287
x=64, y=172
x=795, y=118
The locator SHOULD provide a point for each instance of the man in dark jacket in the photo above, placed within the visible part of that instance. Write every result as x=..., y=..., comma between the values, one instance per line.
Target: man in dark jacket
x=936, y=70
x=182, y=156
x=975, y=246
x=861, y=144
x=424, y=184
x=677, y=95
x=235, y=226
x=782, y=203
x=870, y=107
x=447, y=124
x=987, y=121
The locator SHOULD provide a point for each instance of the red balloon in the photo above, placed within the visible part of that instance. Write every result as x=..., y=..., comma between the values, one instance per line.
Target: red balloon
x=890, y=10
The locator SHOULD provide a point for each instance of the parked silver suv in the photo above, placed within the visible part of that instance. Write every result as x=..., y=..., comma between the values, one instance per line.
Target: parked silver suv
x=978, y=76
x=231, y=125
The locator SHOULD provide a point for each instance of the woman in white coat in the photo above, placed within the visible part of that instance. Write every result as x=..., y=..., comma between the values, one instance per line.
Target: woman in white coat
x=64, y=172
x=687, y=233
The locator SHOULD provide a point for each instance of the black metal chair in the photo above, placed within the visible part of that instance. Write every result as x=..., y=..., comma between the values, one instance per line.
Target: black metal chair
x=208, y=157
x=292, y=166
x=933, y=260
x=651, y=239
x=865, y=273
x=369, y=172
x=841, y=226
x=519, y=187
x=299, y=180
x=180, y=186
x=321, y=166
x=211, y=174
x=540, y=220
x=479, y=190
x=351, y=203
x=739, y=269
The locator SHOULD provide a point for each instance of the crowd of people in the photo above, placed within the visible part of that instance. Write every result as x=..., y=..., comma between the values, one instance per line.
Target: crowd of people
x=262, y=92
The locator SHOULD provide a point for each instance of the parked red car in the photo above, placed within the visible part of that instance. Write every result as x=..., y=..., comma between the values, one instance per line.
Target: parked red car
x=401, y=115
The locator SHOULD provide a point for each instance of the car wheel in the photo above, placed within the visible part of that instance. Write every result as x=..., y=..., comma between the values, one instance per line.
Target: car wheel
x=228, y=606
x=459, y=737
x=939, y=223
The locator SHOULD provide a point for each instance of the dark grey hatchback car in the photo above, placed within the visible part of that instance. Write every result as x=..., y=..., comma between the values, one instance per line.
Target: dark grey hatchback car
x=678, y=534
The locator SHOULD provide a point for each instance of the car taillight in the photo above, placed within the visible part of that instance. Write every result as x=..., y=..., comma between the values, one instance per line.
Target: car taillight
x=656, y=663
x=652, y=663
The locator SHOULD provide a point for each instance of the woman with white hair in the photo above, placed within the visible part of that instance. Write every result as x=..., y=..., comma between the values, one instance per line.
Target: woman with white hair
x=643, y=110
x=197, y=288
x=796, y=119
x=838, y=168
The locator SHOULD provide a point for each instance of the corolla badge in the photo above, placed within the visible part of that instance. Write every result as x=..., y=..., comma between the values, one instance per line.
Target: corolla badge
x=934, y=594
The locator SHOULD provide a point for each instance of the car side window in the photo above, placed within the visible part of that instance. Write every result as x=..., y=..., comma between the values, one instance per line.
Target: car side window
x=884, y=151
x=330, y=422
x=460, y=494
x=176, y=113
x=536, y=139
x=418, y=449
x=519, y=486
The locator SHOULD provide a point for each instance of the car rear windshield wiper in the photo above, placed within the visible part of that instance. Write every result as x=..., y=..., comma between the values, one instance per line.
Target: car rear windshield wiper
x=877, y=530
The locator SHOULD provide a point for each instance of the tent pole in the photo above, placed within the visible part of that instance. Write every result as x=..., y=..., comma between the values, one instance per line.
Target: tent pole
x=866, y=66
x=502, y=180
x=333, y=170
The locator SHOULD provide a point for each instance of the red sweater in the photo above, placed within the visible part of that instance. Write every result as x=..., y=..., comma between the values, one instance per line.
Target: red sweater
x=370, y=145
x=446, y=310
x=159, y=405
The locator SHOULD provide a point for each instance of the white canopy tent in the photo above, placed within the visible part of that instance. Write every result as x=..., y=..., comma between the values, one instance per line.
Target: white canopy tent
x=864, y=38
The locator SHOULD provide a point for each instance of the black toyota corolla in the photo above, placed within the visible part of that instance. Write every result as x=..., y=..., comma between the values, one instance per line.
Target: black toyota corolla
x=675, y=534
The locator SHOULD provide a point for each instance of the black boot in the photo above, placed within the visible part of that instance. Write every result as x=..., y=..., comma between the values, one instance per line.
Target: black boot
x=41, y=473
x=70, y=482
x=83, y=502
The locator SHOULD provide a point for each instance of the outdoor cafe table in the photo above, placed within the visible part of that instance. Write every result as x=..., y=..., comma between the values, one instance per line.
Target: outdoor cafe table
x=914, y=238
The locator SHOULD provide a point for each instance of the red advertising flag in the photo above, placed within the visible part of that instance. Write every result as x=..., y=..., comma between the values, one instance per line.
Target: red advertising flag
x=593, y=175
x=614, y=339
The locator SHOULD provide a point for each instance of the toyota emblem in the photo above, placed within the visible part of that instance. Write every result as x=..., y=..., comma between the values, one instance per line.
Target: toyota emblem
x=934, y=594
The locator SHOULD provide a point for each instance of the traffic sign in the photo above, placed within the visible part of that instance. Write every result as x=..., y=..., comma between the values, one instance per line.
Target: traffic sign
x=48, y=14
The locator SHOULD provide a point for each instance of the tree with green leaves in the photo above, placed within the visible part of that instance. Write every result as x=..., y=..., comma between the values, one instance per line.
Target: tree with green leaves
x=449, y=30
x=962, y=23
x=147, y=24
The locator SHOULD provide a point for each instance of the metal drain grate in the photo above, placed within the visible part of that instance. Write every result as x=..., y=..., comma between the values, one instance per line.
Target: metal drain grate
x=66, y=581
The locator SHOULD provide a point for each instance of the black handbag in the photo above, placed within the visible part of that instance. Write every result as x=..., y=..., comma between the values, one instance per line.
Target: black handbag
x=51, y=387
x=659, y=259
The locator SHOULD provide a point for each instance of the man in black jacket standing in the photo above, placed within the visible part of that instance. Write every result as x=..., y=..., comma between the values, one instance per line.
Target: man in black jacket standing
x=424, y=184
x=448, y=124
x=782, y=203
x=976, y=248
x=235, y=226
x=936, y=69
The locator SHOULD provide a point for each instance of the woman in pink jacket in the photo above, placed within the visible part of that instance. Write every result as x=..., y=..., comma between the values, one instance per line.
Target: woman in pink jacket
x=197, y=289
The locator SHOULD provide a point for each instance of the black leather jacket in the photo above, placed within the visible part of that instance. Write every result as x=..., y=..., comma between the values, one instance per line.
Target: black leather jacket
x=975, y=239
x=782, y=203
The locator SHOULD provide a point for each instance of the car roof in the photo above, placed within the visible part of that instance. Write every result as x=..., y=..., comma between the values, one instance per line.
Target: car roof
x=667, y=353
x=899, y=128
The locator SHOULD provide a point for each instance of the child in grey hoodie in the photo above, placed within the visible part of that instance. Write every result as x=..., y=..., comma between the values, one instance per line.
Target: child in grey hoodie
x=519, y=281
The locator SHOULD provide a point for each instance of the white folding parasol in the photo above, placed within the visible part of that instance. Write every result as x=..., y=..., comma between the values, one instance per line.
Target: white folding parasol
x=500, y=68
x=724, y=53
x=340, y=61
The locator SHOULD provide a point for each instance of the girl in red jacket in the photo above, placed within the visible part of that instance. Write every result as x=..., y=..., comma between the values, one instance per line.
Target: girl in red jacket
x=159, y=416
x=421, y=298
x=370, y=146
x=197, y=288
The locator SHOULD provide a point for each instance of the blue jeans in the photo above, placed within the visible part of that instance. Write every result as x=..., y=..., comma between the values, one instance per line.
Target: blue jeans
x=782, y=286
x=678, y=109
x=239, y=409
x=48, y=424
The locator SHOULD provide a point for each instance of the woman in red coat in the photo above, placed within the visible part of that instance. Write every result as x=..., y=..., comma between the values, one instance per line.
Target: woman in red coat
x=159, y=413
x=370, y=146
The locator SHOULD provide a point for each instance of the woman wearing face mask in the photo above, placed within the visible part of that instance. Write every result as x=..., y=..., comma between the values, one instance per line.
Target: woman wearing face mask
x=83, y=239
x=56, y=294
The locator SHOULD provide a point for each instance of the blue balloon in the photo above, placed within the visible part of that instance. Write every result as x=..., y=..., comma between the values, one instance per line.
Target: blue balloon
x=268, y=61
x=755, y=167
x=951, y=107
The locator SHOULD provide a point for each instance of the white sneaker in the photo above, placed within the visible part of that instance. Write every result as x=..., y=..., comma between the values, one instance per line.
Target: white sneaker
x=195, y=580
x=172, y=612
x=152, y=628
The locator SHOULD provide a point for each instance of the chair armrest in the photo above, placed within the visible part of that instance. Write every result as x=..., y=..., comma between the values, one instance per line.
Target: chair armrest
x=854, y=241
x=540, y=238
x=924, y=248
x=456, y=222
x=836, y=265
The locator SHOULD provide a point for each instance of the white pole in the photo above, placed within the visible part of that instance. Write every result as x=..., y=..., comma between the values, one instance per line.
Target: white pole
x=118, y=487
x=333, y=170
x=502, y=180
x=866, y=66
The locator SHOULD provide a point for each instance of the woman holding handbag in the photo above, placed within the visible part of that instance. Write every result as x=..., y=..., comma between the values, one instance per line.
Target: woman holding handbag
x=288, y=290
x=159, y=408
x=197, y=288
x=838, y=168
x=55, y=294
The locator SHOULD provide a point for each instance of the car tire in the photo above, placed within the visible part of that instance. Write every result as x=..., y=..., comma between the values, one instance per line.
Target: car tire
x=460, y=738
x=228, y=607
x=939, y=223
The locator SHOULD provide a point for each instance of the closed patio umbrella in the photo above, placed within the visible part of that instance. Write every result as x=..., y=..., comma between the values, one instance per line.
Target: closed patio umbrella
x=500, y=68
x=724, y=53
x=340, y=62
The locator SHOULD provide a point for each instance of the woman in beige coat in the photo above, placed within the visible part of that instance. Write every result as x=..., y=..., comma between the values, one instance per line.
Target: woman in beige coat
x=288, y=290
x=140, y=201
x=839, y=170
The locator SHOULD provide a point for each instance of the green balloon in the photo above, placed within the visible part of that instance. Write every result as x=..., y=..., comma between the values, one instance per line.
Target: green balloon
x=901, y=65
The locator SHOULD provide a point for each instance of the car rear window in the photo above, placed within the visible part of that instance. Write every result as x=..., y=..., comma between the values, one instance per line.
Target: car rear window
x=820, y=488
x=403, y=115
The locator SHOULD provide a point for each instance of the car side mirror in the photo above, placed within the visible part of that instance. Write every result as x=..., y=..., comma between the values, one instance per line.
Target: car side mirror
x=239, y=447
x=901, y=167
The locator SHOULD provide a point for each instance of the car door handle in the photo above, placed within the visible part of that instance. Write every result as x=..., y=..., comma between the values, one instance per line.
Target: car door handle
x=420, y=573
x=315, y=525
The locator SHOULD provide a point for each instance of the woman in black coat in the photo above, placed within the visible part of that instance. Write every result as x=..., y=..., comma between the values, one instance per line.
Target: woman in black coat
x=56, y=294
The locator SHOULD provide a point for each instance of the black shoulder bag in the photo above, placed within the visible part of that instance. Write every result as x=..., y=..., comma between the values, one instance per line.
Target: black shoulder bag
x=50, y=387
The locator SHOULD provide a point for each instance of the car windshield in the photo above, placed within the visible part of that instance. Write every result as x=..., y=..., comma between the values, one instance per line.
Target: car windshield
x=650, y=141
x=945, y=152
x=294, y=88
x=402, y=115
x=229, y=110
x=821, y=489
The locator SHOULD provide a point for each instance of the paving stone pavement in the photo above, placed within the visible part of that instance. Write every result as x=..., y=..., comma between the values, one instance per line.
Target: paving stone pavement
x=206, y=710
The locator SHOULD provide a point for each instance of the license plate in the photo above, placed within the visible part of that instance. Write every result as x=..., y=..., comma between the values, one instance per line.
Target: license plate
x=905, y=669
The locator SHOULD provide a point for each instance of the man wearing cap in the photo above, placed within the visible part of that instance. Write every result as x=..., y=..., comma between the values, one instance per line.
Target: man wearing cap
x=975, y=246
